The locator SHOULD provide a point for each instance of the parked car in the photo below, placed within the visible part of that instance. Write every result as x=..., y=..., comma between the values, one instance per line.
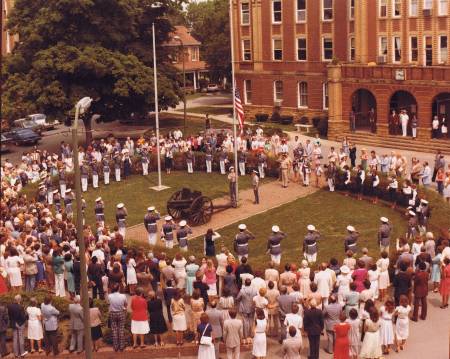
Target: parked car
x=4, y=144
x=23, y=136
x=25, y=123
x=212, y=88
x=42, y=120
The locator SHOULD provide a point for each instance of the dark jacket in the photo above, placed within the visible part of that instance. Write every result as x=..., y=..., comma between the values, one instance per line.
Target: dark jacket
x=421, y=284
x=402, y=284
x=17, y=315
x=313, y=321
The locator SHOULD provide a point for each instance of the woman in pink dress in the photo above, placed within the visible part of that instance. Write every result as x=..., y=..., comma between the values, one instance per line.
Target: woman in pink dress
x=210, y=277
x=359, y=276
x=445, y=283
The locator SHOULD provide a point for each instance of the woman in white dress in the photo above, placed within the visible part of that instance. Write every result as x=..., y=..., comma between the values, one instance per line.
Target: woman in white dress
x=416, y=247
x=35, y=332
x=383, y=279
x=259, y=340
x=371, y=345
x=387, y=326
x=179, y=263
x=373, y=274
x=447, y=187
x=402, y=324
x=131, y=272
x=343, y=281
x=304, y=280
x=12, y=266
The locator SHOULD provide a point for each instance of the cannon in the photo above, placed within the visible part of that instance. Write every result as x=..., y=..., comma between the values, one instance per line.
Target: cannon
x=192, y=206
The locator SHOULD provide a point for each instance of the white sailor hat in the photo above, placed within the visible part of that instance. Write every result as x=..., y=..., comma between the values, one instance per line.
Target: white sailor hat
x=345, y=269
x=275, y=229
x=168, y=218
x=68, y=190
x=182, y=223
x=151, y=208
x=411, y=213
x=98, y=199
x=231, y=168
x=350, y=228
x=310, y=227
x=242, y=226
x=55, y=191
x=120, y=205
x=384, y=219
x=424, y=201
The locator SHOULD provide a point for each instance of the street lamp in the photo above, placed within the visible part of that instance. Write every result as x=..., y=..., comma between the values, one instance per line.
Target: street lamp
x=177, y=38
x=80, y=108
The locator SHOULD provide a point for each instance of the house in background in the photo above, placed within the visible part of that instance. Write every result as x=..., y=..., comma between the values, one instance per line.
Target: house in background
x=188, y=49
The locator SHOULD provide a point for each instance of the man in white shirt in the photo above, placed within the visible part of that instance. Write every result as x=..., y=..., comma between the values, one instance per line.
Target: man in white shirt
x=324, y=283
x=295, y=320
x=99, y=253
x=404, y=119
x=426, y=175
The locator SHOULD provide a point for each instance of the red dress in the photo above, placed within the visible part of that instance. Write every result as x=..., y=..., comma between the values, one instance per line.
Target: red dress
x=342, y=344
x=445, y=281
x=359, y=276
x=3, y=287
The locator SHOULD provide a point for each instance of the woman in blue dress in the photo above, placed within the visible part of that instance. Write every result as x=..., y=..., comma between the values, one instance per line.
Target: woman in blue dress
x=436, y=269
x=191, y=271
x=68, y=266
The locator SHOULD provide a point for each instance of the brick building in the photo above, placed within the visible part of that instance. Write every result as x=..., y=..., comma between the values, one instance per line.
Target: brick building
x=327, y=57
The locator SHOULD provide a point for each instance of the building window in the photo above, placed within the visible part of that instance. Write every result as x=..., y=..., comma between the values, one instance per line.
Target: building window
x=443, y=49
x=413, y=49
x=246, y=50
x=352, y=9
x=351, y=50
x=327, y=53
x=443, y=7
x=397, y=8
x=413, y=7
x=428, y=42
x=428, y=4
x=245, y=13
x=301, y=49
x=383, y=8
x=383, y=47
x=327, y=10
x=277, y=49
x=302, y=94
x=325, y=95
x=278, y=90
x=397, y=49
x=276, y=11
x=194, y=54
x=301, y=10
x=248, y=91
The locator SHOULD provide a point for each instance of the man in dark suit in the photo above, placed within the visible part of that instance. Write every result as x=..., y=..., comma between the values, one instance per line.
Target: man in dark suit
x=313, y=324
x=402, y=283
x=169, y=293
x=17, y=321
x=420, y=292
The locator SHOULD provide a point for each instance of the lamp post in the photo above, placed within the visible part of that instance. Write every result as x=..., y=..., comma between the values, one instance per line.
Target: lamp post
x=81, y=108
x=177, y=38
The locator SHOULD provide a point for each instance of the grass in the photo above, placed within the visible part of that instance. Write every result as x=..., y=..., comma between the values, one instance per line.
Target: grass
x=193, y=125
x=212, y=110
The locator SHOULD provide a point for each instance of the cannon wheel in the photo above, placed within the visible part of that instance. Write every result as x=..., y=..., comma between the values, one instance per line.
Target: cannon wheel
x=174, y=212
x=201, y=210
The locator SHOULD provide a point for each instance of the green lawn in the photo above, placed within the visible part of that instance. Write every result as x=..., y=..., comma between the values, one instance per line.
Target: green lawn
x=169, y=122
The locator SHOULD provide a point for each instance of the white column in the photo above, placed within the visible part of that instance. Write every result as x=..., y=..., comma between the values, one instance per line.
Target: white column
x=195, y=80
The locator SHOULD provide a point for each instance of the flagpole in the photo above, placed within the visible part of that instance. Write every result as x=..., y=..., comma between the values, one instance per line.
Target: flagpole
x=236, y=169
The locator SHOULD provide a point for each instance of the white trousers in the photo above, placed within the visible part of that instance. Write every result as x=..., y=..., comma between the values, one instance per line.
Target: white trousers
x=276, y=258
x=331, y=184
x=261, y=171
x=222, y=167
x=404, y=128
x=152, y=239
x=169, y=244
x=190, y=168
x=95, y=181
x=84, y=184
x=117, y=173
x=144, y=169
x=311, y=258
x=60, y=290
x=50, y=197
x=208, y=166
x=306, y=179
x=414, y=132
x=106, y=177
x=122, y=231
x=242, y=168
x=62, y=188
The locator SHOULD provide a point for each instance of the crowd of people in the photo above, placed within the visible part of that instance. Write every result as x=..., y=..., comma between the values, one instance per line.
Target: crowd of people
x=219, y=297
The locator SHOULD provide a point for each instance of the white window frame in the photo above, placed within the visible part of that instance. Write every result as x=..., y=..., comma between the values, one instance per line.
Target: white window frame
x=325, y=96
x=413, y=5
x=243, y=49
x=441, y=50
x=380, y=47
x=246, y=100
x=301, y=11
x=410, y=47
x=323, y=48
x=394, y=41
x=194, y=54
x=273, y=12
x=273, y=48
x=247, y=13
x=394, y=3
x=382, y=4
x=323, y=10
x=425, y=50
x=300, y=94
x=428, y=4
x=297, y=48
x=351, y=9
x=442, y=7
x=275, y=99
x=350, y=47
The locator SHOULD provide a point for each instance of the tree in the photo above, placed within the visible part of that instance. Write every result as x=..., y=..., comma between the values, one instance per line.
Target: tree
x=69, y=49
x=210, y=25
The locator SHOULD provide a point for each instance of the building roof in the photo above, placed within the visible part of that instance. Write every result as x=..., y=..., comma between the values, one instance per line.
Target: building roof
x=185, y=36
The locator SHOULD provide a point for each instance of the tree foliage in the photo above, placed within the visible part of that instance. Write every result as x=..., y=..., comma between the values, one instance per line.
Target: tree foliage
x=69, y=49
x=210, y=25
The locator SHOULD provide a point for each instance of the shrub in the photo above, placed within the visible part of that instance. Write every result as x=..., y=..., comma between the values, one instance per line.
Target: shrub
x=276, y=117
x=304, y=120
x=322, y=126
x=261, y=117
x=315, y=121
x=287, y=120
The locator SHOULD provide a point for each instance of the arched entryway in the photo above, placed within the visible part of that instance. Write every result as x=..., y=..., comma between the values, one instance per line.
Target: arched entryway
x=441, y=109
x=364, y=108
x=401, y=103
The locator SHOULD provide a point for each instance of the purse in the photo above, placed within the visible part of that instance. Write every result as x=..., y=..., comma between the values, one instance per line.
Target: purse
x=204, y=340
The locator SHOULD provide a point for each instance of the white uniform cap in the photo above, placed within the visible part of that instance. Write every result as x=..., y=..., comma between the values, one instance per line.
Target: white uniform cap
x=55, y=191
x=98, y=199
x=412, y=213
x=68, y=190
x=242, y=226
x=182, y=223
x=384, y=219
x=345, y=269
x=424, y=201
x=168, y=218
x=275, y=229
x=120, y=205
x=231, y=168
x=350, y=228
x=310, y=227
x=151, y=208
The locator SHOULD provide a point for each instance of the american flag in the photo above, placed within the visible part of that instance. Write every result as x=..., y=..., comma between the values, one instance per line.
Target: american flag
x=239, y=109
